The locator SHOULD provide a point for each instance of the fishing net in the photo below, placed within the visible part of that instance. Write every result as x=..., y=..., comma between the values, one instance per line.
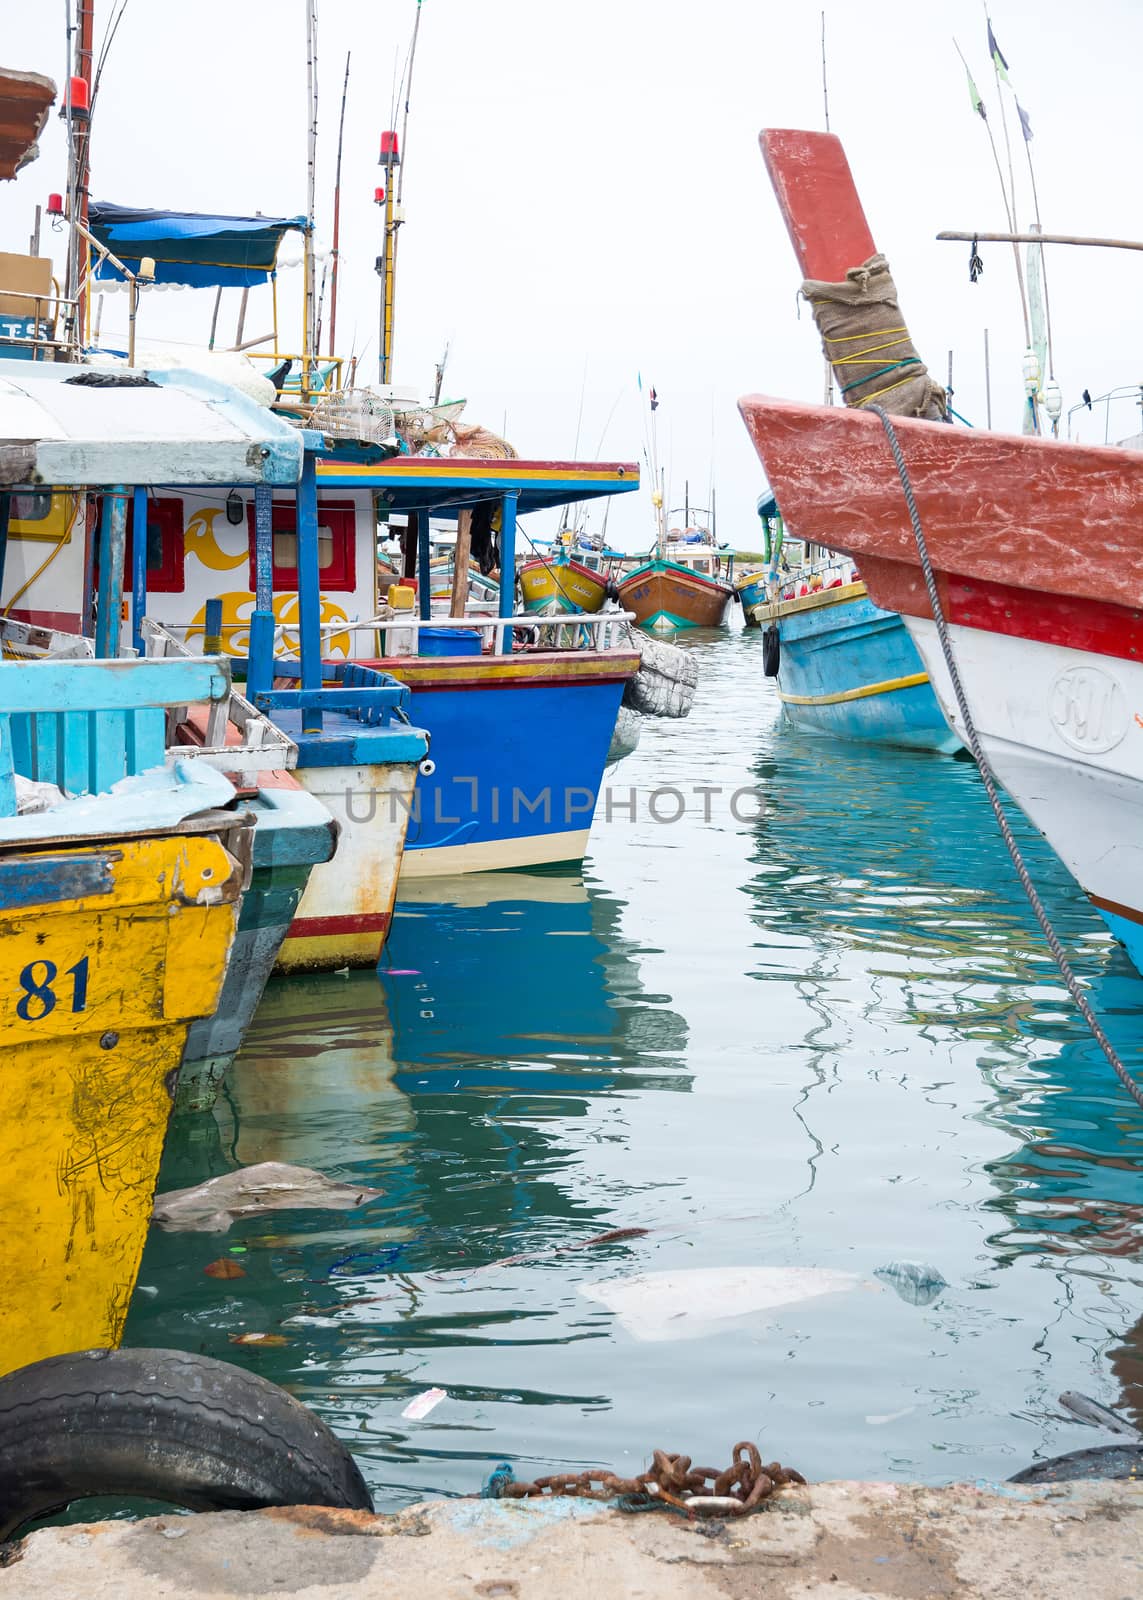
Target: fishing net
x=868, y=345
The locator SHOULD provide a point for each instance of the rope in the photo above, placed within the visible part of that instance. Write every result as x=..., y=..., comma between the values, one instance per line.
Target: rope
x=989, y=780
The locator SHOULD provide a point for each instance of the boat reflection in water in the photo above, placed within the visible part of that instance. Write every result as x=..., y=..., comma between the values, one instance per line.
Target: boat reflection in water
x=883, y=886
x=479, y=1080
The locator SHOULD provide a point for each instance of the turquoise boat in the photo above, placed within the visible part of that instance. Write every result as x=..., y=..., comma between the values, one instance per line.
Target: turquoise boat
x=847, y=668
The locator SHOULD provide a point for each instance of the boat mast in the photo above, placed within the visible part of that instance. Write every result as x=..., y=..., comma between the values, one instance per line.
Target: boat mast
x=391, y=159
x=77, y=107
x=309, y=328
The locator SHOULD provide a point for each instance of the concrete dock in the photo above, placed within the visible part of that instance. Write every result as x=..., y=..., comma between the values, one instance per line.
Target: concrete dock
x=832, y=1541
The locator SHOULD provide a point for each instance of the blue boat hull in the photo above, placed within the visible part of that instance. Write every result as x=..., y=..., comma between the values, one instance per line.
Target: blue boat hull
x=850, y=669
x=518, y=747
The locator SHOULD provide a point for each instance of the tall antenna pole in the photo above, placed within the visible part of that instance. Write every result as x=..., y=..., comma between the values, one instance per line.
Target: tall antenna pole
x=334, y=252
x=825, y=108
x=309, y=330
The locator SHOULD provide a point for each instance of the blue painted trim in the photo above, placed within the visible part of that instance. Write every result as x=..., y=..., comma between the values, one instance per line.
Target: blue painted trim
x=309, y=588
x=508, y=563
x=263, y=547
x=138, y=568
x=68, y=686
x=294, y=829
x=41, y=880
x=1129, y=934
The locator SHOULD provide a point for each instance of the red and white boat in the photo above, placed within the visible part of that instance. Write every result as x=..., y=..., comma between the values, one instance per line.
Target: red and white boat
x=1037, y=547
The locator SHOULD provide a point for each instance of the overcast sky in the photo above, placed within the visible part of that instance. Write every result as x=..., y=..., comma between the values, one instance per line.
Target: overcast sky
x=586, y=200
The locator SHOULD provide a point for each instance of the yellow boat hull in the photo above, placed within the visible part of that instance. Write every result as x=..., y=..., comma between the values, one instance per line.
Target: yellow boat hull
x=108, y=952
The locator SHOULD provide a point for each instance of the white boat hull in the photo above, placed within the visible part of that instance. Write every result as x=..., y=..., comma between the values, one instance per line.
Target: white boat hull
x=1063, y=730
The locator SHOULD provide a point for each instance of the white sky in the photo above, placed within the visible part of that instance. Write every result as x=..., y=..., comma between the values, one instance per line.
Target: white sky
x=586, y=200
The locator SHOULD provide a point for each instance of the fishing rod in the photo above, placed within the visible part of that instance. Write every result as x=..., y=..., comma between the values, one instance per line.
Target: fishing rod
x=334, y=251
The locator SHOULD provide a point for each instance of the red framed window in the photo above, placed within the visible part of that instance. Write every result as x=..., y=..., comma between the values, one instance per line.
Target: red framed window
x=166, y=547
x=337, y=560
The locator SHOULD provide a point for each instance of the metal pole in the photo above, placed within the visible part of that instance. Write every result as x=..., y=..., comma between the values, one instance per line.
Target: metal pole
x=508, y=564
x=260, y=670
x=138, y=568
x=5, y=515
x=309, y=589
x=112, y=545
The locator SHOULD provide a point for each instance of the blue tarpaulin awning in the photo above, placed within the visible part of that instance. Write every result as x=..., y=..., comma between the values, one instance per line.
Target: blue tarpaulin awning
x=190, y=247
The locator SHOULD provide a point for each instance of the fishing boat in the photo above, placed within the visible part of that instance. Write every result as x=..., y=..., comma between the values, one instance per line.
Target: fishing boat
x=519, y=734
x=118, y=918
x=104, y=447
x=560, y=584
x=846, y=666
x=687, y=582
x=1037, y=557
x=751, y=581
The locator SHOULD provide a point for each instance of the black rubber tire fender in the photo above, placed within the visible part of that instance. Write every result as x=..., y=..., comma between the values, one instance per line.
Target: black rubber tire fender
x=1103, y=1461
x=162, y=1425
x=771, y=651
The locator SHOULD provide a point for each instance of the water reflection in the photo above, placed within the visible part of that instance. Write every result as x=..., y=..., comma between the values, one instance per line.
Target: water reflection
x=894, y=859
x=470, y=1079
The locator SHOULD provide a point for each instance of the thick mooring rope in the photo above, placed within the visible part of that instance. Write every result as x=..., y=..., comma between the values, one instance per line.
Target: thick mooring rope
x=988, y=778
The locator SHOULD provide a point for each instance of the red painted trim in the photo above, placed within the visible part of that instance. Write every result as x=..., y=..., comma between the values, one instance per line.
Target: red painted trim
x=331, y=927
x=65, y=621
x=496, y=467
x=1076, y=624
x=1127, y=912
x=164, y=516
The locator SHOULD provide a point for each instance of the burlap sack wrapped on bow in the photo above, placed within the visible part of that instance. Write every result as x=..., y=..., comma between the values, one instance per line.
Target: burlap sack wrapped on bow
x=868, y=345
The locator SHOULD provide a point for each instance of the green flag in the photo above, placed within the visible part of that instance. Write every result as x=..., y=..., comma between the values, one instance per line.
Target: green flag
x=998, y=60
x=974, y=96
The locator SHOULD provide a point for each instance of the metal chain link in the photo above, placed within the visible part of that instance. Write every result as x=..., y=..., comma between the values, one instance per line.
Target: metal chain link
x=671, y=1480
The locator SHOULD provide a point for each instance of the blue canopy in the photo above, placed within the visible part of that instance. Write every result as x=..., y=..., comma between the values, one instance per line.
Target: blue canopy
x=191, y=247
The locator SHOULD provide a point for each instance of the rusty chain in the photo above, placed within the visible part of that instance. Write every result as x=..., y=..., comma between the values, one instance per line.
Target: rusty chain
x=671, y=1481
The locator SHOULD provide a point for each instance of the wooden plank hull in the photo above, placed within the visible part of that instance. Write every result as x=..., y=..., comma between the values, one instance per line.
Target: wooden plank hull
x=550, y=586
x=111, y=951
x=850, y=669
x=665, y=596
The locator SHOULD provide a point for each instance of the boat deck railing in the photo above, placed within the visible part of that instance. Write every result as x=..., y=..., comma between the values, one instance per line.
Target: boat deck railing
x=398, y=631
x=395, y=633
x=261, y=746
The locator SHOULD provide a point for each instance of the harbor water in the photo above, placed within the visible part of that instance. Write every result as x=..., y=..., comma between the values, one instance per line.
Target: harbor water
x=794, y=1013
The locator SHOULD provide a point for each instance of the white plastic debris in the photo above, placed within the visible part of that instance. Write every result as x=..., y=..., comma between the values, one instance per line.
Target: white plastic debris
x=698, y=1301
x=422, y=1404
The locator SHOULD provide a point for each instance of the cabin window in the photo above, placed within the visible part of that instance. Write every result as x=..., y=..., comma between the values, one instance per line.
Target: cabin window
x=166, y=548
x=337, y=565
x=40, y=514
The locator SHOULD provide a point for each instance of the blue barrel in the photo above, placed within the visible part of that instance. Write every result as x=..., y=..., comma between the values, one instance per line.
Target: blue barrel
x=449, y=642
